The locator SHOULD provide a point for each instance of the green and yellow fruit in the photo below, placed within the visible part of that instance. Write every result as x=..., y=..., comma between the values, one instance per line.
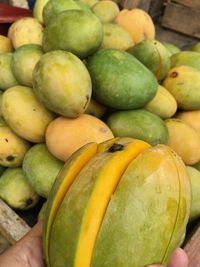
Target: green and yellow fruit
x=140, y=124
x=114, y=36
x=24, y=60
x=153, y=55
x=7, y=78
x=163, y=104
x=106, y=10
x=173, y=49
x=41, y=169
x=183, y=82
x=187, y=58
x=115, y=202
x=190, y=117
x=76, y=31
x=119, y=80
x=13, y=147
x=25, y=114
x=62, y=83
x=5, y=44
x=184, y=140
x=16, y=191
x=196, y=47
x=94, y=108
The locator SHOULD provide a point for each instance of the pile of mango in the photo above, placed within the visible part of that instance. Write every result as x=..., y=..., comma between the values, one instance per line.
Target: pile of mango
x=84, y=71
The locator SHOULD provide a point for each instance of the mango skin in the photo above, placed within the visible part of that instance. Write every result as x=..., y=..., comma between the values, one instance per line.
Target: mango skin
x=163, y=104
x=1, y=170
x=26, y=116
x=106, y=10
x=183, y=82
x=140, y=124
x=187, y=58
x=7, y=78
x=128, y=194
x=194, y=176
x=16, y=191
x=38, y=10
x=5, y=44
x=62, y=83
x=13, y=147
x=52, y=8
x=76, y=31
x=184, y=140
x=196, y=47
x=119, y=80
x=25, y=30
x=41, y=169
x=153, y=55
x=24, y=60
x=190, y=117
x=172, y=48
x=116, y=37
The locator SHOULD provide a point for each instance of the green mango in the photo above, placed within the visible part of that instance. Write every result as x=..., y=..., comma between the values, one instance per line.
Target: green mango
x=153, y=55
x=106, y=11
x=173, y=49
x=16, y=191
x=196, y=47
x=188, y=58
x=119, y=80
x=140, y=124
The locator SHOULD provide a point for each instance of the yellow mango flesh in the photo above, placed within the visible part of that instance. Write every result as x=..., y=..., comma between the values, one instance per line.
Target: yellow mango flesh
x=103, y=173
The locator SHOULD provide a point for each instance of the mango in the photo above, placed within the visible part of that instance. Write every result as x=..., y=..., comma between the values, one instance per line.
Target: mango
x=95, y=109
x=16, y=191
x=190, y=117
x=140, y=124
x=54, y=7
x=153, y=55
x=62, y=83
x=76, y=31
x=7, y=78
x=194, y=176
x=90, y=3
x=163, y=104
x=41, y=169
x=5, y=44
x=119, y=80
x=65, y=135
x=106, y=10
x=114, y=36
x=87, y=210
x=184, y=140
x=187, y=58
x=24, y=61
x=172, y=48
x=38, y=10
x=196, y=47
x=183, y=82
x=25, y=30
x=41, y=212
x=197, y=165
x=13, y=147
x=1, y=93
x=138, y=23
x=26, y=116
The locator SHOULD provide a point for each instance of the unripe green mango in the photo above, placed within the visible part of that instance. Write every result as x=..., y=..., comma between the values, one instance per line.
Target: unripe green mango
x=188, y=58
x=62, y=83
x=24, y=60
x=41, y=169
x=7, y=78
x=119, y=80
x=124, y=201
x=153, y=55
x=76, y=31
x=140, y=124
x=54, y=7
x=183, y=82
x=106, y=10
x=38, y=9
x=194, y=176
x=16, y=191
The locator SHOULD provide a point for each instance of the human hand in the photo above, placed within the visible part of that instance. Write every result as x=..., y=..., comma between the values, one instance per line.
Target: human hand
x=179, y=259
x=27, y=252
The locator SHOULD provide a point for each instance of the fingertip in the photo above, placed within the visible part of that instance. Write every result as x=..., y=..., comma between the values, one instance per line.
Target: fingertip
x=179, y=258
